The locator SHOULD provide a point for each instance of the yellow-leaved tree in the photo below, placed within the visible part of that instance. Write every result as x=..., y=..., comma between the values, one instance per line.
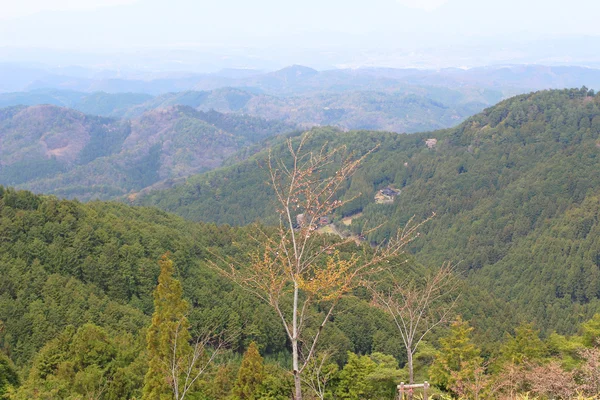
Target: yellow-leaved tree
x=297, y=270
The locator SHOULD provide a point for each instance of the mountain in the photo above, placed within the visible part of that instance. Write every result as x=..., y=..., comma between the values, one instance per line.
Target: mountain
x=61, y=151
x=515, y=189
x=410, y=110
x=299, y=80
x=517, y=194
x=398, y=100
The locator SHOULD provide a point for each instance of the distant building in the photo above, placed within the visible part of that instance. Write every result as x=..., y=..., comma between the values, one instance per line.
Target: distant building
x=431, y=143
x=388, y=191
x=386, y=195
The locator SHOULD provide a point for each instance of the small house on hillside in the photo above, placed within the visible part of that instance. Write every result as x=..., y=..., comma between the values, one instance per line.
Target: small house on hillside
x=388, y=191
x=386, y=195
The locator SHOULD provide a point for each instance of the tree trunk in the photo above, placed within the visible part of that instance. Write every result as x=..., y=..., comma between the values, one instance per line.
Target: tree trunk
x=297, y=381
x=297, y=386
x=411, y=378
x=295, y=354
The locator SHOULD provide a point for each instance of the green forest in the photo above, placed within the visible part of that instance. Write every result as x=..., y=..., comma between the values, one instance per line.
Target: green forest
x=478, y=274
x=77, y=305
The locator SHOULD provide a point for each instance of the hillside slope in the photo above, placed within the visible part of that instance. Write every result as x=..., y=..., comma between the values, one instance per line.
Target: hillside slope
x=65, y=263
x=56, y=150
x=515, y=187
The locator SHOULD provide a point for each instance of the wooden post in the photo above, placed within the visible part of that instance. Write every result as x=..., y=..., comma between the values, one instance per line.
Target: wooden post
x=402, y=388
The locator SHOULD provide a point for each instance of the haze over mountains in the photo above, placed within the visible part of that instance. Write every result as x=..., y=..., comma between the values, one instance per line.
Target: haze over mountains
x=295, y=80
x=137, y=132
x=513, y=180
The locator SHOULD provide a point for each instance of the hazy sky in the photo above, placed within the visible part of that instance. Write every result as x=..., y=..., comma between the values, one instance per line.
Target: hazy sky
x=354, y=25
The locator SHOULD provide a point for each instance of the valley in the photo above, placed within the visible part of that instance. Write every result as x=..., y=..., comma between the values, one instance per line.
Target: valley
x=317, y=200
x=513, y=192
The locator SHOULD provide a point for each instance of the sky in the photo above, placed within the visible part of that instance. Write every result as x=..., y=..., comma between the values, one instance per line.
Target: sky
x=321, y=32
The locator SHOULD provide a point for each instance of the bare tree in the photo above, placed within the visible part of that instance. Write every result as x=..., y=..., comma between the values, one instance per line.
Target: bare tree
x=296, y=268
x=319, y=372
x=185, y=368
x=551, y=380
x=418, y=307
x=476, y=385
x=510, y=381
x=590, y=370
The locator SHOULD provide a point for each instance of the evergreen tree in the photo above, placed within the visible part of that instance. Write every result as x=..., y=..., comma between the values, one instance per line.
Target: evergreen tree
x=89, y=362
x=524, y=346
x=368, y=377
x=250, y=375
x=8, y=375
x=458, y=358
x=353, y=378
x=591, y=330
x=168, y=336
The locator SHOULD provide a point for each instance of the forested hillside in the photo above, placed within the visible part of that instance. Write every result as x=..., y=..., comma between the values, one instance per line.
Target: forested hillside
x=83, y=275
x=79, y=284
x=516, y=197
x=51, y=149
x=515, y=189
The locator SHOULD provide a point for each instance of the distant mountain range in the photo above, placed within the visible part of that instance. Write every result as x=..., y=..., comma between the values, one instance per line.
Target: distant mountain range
x=299, y=80
x=110, y=144
x=399, y=100
x=411, y=109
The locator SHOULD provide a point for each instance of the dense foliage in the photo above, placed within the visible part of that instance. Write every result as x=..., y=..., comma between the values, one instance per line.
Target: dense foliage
x=66, y=265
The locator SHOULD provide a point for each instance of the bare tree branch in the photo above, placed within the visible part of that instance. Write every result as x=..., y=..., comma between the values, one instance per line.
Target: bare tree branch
x=295, y=268
x=418, y=307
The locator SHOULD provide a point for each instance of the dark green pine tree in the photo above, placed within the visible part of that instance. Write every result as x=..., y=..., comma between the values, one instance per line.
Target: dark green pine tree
x=250, y=376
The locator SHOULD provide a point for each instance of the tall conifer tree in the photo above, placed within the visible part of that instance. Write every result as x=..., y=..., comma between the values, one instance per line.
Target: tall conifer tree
x=168, y=337
x=251, y=374
x=458, y=358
